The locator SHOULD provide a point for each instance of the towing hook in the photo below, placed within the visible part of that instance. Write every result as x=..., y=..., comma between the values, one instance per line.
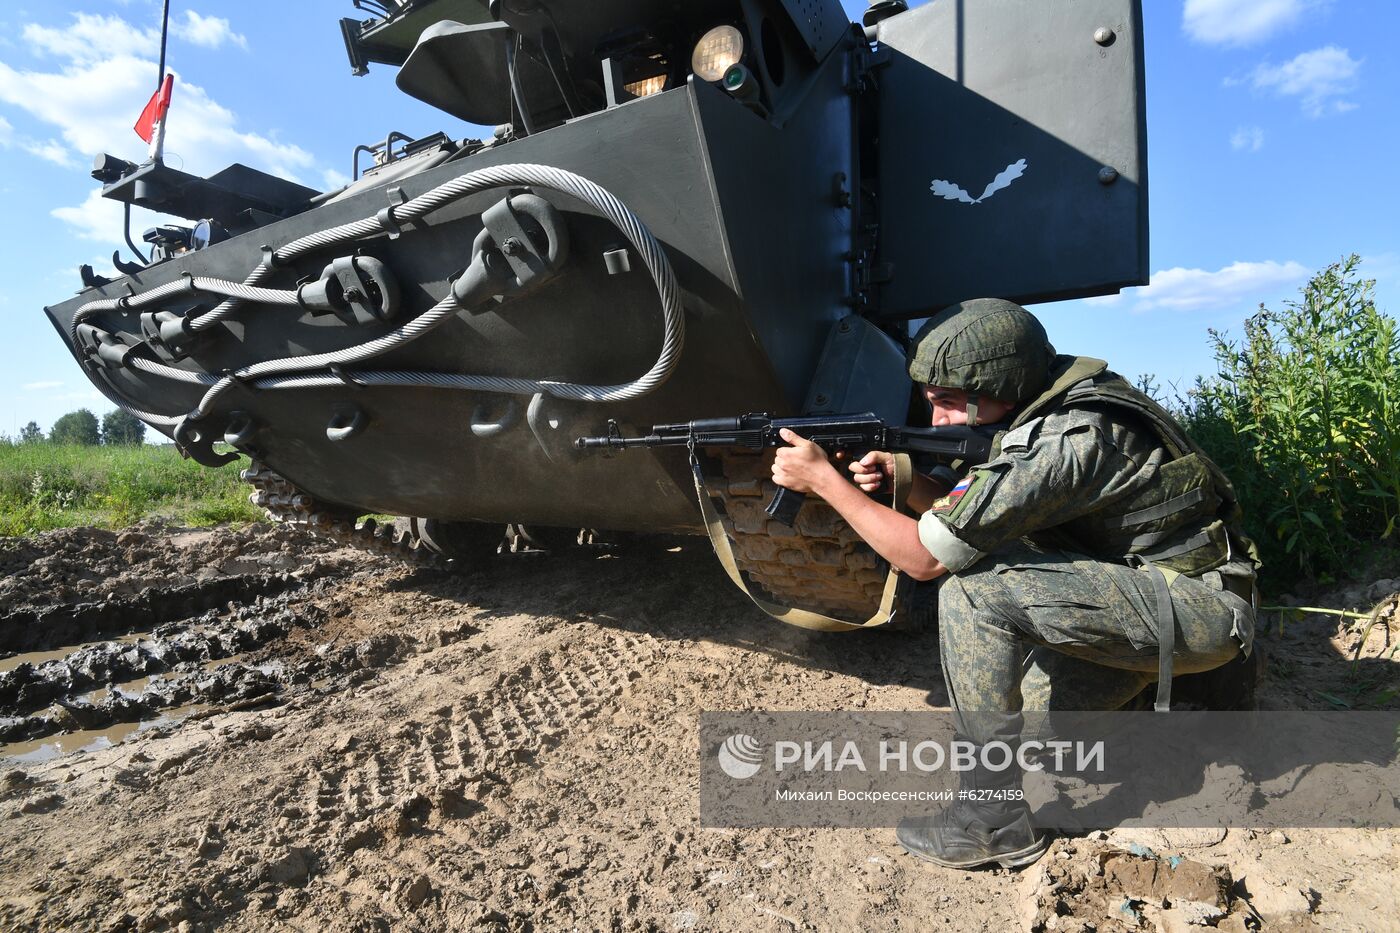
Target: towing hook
x=356, y=289
x=196, y=442
x=346, y=422
x=523, y=243
x=240, y=430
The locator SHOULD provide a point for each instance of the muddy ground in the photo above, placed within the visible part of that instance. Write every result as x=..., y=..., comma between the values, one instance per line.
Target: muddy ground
x=269, y=732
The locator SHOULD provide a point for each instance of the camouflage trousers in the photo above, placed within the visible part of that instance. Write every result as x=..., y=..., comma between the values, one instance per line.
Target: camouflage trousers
x=1046, y=630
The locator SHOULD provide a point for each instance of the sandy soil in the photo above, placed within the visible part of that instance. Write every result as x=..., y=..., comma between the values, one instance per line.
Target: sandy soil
x=513, y=747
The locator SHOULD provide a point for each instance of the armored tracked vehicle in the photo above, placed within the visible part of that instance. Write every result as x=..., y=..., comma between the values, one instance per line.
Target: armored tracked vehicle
x=687, y=208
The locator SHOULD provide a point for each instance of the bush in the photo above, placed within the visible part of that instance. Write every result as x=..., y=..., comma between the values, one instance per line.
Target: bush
x=1304, y=416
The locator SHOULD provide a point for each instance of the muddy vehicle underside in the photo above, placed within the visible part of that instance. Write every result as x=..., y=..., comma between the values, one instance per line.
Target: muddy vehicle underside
x=685, y=210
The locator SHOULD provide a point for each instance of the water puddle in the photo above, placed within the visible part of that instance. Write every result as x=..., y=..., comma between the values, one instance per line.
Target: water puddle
x=224, y=662
x=38, y=751
x=46, y=749
x=91, y=740
x=130, y=689
x=58, y=654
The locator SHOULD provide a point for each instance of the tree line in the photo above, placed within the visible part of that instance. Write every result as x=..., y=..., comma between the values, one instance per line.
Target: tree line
x=82, y=428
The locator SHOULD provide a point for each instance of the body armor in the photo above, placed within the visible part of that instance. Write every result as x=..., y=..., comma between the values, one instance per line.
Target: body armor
x=1187, y=521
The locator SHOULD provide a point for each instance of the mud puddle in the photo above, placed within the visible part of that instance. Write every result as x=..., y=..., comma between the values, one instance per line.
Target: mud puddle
x=35, y=751
x=37, y=658
x=87, y=740
x=154, y=621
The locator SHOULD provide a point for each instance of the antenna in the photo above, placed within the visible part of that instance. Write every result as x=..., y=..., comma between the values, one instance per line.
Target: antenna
x=157, y=149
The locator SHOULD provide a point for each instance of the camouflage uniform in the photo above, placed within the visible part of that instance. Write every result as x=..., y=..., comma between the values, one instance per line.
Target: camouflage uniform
x=1096, y=525
x=1050, y=602
x=1019, y=579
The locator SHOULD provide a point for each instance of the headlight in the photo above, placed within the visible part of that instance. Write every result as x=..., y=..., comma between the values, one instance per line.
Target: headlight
x=716, y=51
x=646, y=87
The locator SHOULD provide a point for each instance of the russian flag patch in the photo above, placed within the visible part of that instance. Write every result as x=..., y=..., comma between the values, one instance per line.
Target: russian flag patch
x=950, y=502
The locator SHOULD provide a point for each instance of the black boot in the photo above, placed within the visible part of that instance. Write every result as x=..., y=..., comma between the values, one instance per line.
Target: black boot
x=974, y=832
x=971, y=834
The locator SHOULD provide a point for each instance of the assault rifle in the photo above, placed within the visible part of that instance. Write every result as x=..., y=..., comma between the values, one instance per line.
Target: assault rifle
x=856, y=433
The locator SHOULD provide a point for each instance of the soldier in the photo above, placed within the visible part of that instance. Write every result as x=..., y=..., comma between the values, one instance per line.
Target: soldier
x=1097, y=551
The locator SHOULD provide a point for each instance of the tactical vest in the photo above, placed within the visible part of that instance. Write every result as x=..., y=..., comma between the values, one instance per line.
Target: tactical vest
x=1187, y=521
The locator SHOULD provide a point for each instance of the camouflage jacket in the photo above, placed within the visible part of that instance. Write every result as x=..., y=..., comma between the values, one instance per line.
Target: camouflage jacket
x=1094, y=468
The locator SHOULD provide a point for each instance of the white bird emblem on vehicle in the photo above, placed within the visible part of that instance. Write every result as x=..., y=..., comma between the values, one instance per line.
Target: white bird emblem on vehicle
x=952, y=192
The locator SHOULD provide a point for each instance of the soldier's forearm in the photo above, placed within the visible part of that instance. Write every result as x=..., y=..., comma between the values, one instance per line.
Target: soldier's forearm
x=922, y=492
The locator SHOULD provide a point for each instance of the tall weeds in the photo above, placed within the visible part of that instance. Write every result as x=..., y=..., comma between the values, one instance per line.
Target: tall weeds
x=1304, y=416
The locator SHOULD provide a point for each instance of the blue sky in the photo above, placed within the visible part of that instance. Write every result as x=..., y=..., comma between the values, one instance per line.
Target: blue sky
x=1272, y=128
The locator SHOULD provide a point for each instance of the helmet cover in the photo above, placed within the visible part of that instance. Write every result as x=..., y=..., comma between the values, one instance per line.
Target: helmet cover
x=988, y=346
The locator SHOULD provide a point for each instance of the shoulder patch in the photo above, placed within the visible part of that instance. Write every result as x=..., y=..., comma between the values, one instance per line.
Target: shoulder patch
x=949, y=505
x=1020, y=439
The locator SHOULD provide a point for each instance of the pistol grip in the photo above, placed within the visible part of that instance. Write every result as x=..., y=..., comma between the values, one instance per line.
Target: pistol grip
x=785, y=506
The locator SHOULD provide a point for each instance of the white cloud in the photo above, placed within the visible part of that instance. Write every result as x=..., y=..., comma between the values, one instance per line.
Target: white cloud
x=41, y=386
x=1241, y=22
x=92, y=38
x=1247, y=139
x=1240, y=283
x=92, y=395
x=1384, y=267
x=94, y=98
x=208, y=31
x=1318, y=79
x=332, y=179
x=92, y=104
x=100, y=219
x=50, y=150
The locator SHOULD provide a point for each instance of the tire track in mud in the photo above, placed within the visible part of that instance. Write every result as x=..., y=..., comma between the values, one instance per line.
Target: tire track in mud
x=490, y=731
x=464, y=794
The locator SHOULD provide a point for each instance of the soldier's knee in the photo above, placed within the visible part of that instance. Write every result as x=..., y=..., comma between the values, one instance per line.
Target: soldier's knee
x=971, y=590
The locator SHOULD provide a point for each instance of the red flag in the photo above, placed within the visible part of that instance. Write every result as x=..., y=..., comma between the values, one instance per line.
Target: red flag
x=155, y=109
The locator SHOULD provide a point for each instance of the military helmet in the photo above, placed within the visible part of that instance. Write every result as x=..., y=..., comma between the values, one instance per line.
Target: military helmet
x=988, y=346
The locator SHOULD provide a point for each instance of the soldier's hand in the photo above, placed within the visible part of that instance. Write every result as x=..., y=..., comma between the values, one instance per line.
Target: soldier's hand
x=801, y=467
x=871, y=471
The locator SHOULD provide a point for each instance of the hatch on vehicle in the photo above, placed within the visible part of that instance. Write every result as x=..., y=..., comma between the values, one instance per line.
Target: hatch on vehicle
x=1012, y=152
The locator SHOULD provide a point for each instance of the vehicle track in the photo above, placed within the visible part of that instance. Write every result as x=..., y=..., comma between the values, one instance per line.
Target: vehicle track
x=521, y=718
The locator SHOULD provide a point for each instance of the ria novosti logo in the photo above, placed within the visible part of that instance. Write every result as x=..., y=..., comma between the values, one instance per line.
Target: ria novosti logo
x=740, y=756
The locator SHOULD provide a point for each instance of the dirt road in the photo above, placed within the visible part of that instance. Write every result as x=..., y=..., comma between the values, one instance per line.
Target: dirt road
x=331, y=742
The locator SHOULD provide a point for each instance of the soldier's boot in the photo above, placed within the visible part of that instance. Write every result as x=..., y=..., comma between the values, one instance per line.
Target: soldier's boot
x=972, y=833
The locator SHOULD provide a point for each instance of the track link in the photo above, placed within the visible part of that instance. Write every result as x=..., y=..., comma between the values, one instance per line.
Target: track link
x=287, y=504
x=820, y=565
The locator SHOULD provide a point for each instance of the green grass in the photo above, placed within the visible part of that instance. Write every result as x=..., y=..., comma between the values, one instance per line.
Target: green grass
x=46, y=486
